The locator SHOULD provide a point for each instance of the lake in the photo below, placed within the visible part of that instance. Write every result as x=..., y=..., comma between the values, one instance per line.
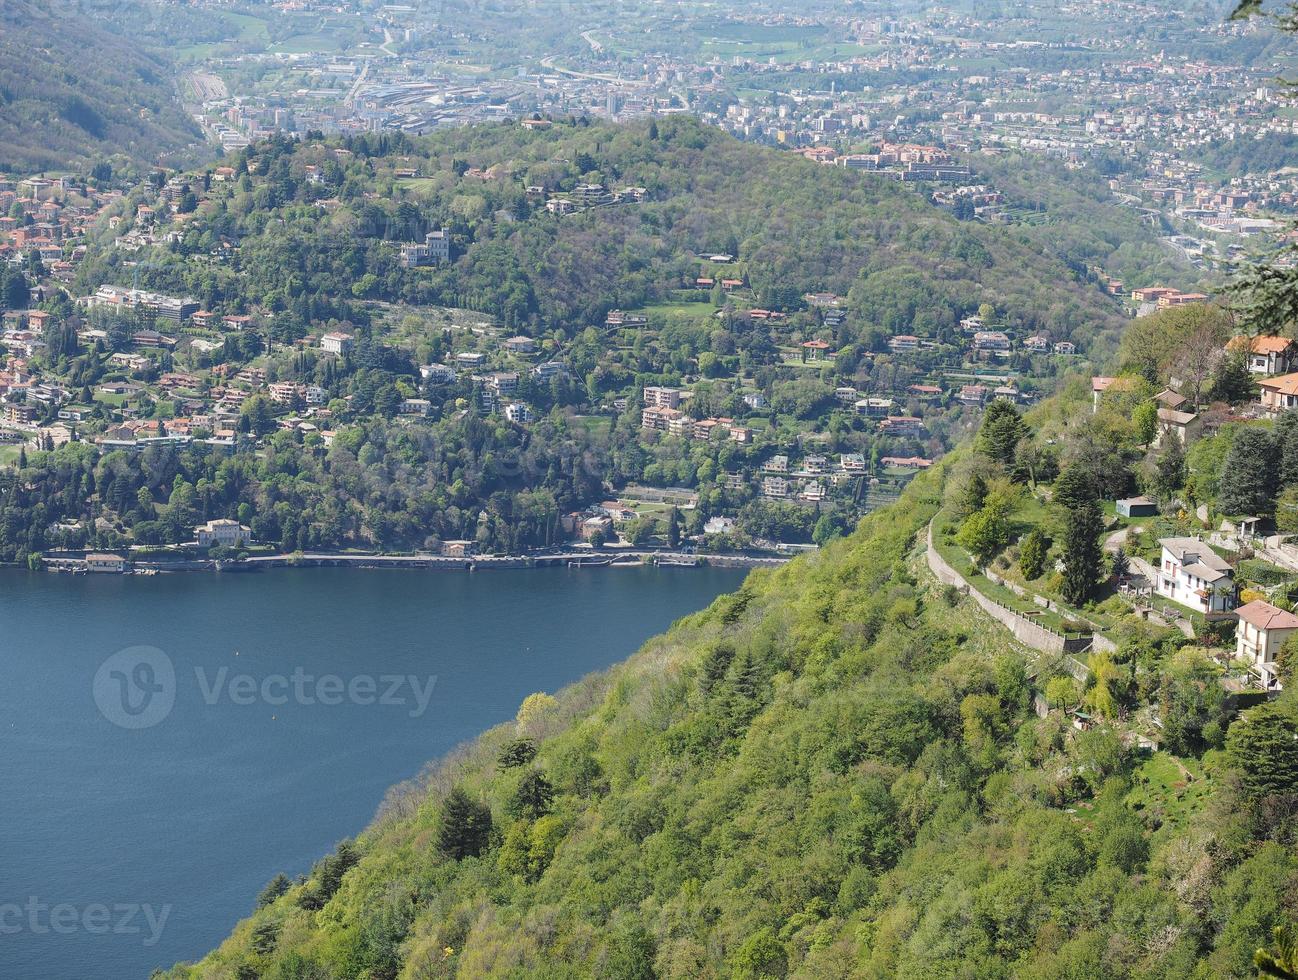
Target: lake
x=169, y=743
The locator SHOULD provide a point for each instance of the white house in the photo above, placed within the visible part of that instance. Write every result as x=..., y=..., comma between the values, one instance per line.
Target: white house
x=1194, y=575
x=336, y=343
x=1262, y=631
x=105, y=563
x=222, y=531
x=518, y=412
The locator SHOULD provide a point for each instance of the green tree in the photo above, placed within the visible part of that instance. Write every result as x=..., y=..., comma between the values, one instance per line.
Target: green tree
x=1192, y=704
x=1083, y=524
x=984, y=534
x=759, y=957
x=532, y=797
x=1169, y=470
x=1033, y=550
x=518, y=752
x=629, y=954
x=276, y=887
x=1145, y=421
x=1002, y=428
x=465, y=826
x=1250, y=475
x=1263, y=744
x=1281, y=960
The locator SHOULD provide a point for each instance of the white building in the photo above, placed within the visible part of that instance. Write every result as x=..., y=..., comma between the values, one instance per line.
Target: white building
x=1194, y=575
x=336, y=343
x=222, y=531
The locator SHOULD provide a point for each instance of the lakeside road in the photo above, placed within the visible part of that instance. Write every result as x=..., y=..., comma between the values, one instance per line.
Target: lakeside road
x=66, y=562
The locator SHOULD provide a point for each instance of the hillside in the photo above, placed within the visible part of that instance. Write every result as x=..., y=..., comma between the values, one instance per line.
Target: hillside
x=834, y=772
x=73, y=91
x=451, y=414
x=902, y=264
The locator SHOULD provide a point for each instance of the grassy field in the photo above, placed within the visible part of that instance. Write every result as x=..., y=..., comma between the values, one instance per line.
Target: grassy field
x=1168, y=790
x=247, y=31
x=9, y=455
x=667, y=310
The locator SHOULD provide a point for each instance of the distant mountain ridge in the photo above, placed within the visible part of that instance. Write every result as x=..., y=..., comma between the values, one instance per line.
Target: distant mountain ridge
x=71, y=90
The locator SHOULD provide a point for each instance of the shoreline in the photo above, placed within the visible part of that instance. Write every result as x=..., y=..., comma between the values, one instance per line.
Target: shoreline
x=72, y=564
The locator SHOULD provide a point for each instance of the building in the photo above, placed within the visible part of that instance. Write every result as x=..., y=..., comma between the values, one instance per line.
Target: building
x=520, y=345
x=1261, y=633
x=601, y=525
x=1186, y=426
x=775, y=487
x=105, y=563
x=435, y=250
x=437, y=374
x=903, y=344
x=519, y=412
x=1194, y=575
x=1137, y=507
x=662, y=397
x=659, y=419
x=223, y=532
x=1279, y=394
x=991, y=340
x=155, y=304
x=550, y=370
x=337, y=343
x=1267, y=355
x=1098, y=387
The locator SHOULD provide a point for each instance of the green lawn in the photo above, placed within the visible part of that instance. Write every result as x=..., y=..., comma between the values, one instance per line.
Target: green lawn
x=1168, y=790
x=703, y=308
x=9, y=455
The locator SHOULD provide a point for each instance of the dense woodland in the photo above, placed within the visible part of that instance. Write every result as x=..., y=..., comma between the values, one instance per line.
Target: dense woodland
x=904, y=265
x=72, y=91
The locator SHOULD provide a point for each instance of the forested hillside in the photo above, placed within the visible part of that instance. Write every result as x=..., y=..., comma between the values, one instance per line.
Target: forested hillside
x=904, y=265
x=73, y=91
x=834, y=772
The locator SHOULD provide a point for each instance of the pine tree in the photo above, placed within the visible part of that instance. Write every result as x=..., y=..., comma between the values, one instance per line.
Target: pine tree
x=1002, y=428
x=1250, y=474
x=466, y=826
x=517, y=753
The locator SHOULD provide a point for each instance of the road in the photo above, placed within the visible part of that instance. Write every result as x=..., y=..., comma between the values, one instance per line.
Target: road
x=356, y=85
x=549, y=65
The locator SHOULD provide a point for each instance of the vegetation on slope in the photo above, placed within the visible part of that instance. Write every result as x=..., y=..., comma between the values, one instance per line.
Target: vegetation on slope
x=904, y=265
x=73, y=91
x=835, y=771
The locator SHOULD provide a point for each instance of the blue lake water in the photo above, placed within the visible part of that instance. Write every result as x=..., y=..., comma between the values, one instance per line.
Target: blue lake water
x=141, y=811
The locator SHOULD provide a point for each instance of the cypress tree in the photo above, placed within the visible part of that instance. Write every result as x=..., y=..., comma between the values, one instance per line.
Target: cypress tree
x=1076, y=494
